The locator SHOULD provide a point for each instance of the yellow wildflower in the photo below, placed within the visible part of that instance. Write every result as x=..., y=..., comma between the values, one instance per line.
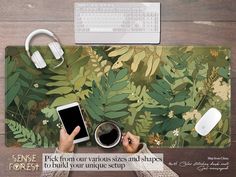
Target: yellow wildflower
x=155, y=139
x=208, y=138
x=214, y=53
x=221, y=89
x=192, y=115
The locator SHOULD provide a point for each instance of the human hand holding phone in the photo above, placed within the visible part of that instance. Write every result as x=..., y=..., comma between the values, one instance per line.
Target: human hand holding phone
x=71, y=116
x=66, y=141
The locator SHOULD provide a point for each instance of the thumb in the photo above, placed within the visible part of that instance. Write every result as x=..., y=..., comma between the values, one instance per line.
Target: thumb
x=125, y=142
x=75, y=132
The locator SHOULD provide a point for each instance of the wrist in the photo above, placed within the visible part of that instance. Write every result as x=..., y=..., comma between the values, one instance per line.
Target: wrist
x=64, y=150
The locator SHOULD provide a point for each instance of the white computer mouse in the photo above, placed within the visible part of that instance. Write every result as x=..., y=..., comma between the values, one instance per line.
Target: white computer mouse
x=208, y=121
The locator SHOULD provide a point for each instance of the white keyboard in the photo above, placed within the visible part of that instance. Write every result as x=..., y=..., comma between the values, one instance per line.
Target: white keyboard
x=116, y=22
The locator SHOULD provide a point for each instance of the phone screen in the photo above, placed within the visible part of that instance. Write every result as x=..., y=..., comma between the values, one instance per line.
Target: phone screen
x=71, y=118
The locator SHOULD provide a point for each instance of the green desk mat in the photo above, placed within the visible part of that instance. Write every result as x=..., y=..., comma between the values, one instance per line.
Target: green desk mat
x=156, y=92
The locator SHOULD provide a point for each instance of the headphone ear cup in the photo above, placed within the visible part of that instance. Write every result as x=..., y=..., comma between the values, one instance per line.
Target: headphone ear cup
x=38, y=60
x=56, y=49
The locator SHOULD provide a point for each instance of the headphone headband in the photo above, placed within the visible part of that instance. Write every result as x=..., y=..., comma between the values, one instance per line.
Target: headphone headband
x=34, y=33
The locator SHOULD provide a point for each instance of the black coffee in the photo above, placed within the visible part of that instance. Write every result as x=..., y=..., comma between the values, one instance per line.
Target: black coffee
x=109, y=138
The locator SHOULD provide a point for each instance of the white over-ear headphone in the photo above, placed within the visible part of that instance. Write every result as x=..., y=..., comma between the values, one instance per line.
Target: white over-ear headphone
x=55, y=48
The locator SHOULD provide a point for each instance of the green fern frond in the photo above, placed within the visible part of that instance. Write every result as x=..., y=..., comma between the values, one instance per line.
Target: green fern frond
x=27, y=137
x=143, y=124
x=68, y=82
x=21, y=84
x=150, y=56
x=99, y=65
x=140, y=98
x=106, y=100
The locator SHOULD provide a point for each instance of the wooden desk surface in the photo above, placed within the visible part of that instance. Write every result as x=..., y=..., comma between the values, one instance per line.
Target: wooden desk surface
x=184, y=22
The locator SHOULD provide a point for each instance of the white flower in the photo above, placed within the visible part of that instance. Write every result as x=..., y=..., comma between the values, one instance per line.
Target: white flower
x=171, y=114
x=173, y=145
x=36, y=85
x=176, y=132
x=158, y=142
x=45, y=122
x=59, y=125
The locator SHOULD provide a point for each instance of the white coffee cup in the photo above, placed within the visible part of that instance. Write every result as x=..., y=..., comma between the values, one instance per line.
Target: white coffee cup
x=111, y=134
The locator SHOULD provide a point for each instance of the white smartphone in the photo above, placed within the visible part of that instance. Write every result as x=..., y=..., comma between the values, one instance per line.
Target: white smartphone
x=71, y=117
